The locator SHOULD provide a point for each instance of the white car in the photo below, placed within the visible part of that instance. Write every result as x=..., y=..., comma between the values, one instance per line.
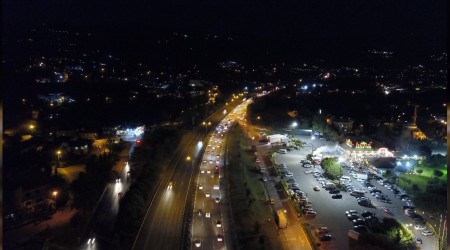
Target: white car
x=219, y=237
x=200, y=186
x=208, y=171
x=427, y=232
x=208, y=194
x=219, y=223
x=207, y=215
x=289, y=174
x=420, y=227
x=202, y=171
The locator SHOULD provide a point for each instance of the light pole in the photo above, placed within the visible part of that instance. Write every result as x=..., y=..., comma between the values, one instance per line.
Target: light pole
x=312, y=145
x=206, y=124
x=58, y=155
x=294, y=125
x=191, y=160
x=54, y=194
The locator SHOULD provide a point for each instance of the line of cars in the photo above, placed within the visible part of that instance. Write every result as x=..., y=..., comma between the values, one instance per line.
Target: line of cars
x=297, y=194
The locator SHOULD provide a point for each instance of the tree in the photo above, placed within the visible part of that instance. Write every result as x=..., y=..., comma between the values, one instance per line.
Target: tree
x=332, y=167
x=419, y=171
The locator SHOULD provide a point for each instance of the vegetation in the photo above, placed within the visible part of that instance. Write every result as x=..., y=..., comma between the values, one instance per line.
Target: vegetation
x=389, y=234
x=428, y=186
x=333, y=169
x=247, y=197
x=147, y=163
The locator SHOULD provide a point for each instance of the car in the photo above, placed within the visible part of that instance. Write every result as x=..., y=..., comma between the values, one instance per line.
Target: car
x=360, y=229
x=289, y=174
x=358, y=222
x=352, y=217
x=271, y=201
x=208, y=171
x=418, y=241
x=208, y=194
x=208, y=215
x=91, y=239
x=325, y=237
x=120, y=194
x=197, y=243
x=264, y=178
x=322, y=230
x=316, y=188
x=210, y=162
x=118, y=180
x=217, y=156
x=202, y=171
x=216, y=187
x=334, y=191
x=386, y=210
x=420, y=227
x=311, y=213
x=366, y=214
x=200, y=213
x=351, y=212
x=200, y=186
x=219, y=237
x=336, y=196
x=218, y=223
x=282, y=165
x=427, y=232
x=217, y=200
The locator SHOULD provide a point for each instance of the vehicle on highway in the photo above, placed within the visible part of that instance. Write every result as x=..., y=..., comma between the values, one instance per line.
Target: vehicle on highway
x=208, y=194
x=219, y=237
x=336, y=196
x=325, y=237
x=208, y=215
x=264, y=178
x=217, y=200
x=219, y=223
x=202, y=171
x=91, y=239
x=197, y=243
x=118, y=180
x=316, y=188
x=427, y=232
x=272, y=201
x=200, y=186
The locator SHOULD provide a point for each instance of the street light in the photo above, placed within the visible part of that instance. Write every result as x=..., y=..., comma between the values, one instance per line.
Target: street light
x=191, y=160
x=206, y=125
x=54, y=194
x=294, y=125
x=58, y=155
x=32, y=128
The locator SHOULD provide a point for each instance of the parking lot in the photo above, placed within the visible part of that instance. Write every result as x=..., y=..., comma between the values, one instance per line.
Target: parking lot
x=331, y=212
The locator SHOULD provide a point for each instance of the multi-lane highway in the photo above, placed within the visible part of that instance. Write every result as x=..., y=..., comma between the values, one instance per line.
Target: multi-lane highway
x=209, y=222
x=164, y=223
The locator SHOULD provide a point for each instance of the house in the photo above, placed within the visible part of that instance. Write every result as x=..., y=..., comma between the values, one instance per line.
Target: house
x=33, y=194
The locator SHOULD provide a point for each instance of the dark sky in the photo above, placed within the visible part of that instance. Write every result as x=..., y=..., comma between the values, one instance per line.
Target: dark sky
x=405, y=21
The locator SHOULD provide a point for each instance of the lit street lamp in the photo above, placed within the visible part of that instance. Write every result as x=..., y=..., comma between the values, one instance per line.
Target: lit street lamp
x=206, y=124
x=191, y=160
x=294, y=125
x=58, y=155
x=54, y=194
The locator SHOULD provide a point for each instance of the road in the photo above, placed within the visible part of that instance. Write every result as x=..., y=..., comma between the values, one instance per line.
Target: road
x=211, y=204
x=164, y=224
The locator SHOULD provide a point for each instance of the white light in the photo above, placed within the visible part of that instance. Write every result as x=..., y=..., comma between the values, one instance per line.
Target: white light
x=294, y=124
x=200, y=144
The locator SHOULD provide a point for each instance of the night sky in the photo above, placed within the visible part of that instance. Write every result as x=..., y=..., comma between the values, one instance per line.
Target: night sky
x=385, y=22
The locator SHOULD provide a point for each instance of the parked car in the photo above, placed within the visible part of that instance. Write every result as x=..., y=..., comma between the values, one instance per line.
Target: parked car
x=360, y=229
x=420, y=227
x=336, y=196
x=316, y=188
x=325, y=237
x=427, y=232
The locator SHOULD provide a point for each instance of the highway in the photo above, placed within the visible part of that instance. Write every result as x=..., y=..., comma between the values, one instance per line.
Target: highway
x=164, y=225
x=210, y=224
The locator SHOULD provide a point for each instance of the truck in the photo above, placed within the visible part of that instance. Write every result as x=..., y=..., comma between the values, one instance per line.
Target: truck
x=282, y=221
x=361, y=176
